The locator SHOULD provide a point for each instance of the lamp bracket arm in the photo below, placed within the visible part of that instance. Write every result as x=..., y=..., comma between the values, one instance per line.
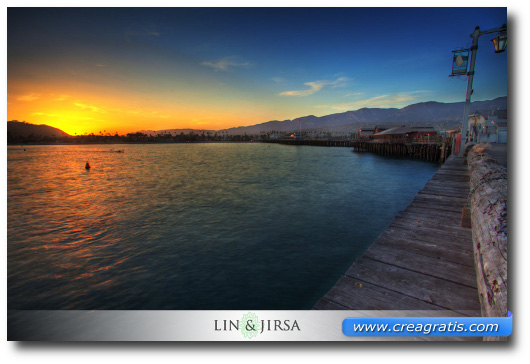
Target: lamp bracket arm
x=492, y=31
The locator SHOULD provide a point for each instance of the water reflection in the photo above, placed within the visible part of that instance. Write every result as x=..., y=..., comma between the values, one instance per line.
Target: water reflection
x=201, y=226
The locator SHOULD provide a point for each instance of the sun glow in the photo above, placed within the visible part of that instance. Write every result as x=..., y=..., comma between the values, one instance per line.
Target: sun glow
x=87, y=70
x=119, y=112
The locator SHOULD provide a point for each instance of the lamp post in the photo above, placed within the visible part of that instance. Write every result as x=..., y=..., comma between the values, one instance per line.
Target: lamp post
x=500, y=42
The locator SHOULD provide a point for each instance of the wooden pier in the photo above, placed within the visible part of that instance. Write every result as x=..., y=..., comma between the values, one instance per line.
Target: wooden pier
x=422, y=261
x=313, y=142
x=433, y=151
x=429, y=151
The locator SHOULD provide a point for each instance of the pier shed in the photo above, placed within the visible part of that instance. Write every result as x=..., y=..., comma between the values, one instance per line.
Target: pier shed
x=365, y=133
x=380, y=128
x=406, y=134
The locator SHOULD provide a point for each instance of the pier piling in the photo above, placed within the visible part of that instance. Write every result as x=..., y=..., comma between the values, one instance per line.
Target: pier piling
x=432, y=151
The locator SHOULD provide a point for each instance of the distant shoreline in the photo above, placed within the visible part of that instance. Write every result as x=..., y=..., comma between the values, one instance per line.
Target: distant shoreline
x=124, y=143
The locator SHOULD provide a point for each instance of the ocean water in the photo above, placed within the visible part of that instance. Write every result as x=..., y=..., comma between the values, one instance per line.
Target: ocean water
x=194, y=226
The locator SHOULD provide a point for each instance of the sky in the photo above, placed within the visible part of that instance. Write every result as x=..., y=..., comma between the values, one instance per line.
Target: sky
x=87, y=70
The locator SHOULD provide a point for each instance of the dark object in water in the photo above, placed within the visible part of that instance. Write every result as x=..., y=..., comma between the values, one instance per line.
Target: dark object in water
x=87, y=166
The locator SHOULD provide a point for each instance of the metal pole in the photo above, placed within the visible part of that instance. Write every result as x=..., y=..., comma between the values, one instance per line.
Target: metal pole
x=300, y=124
x=475, y=35
x=470, y=75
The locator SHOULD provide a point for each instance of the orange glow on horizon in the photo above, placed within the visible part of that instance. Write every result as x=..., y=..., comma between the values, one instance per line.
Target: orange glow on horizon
x=98, y=110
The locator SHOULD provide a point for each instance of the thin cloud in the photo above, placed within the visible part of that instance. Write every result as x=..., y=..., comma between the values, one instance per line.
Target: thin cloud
x=28, y=97
x=224, y=64
x=136, y=113
x=315, y=86
x=400, y=99
x=353, y=94
x=89, y=107
x=61, y=98
x=203, y=120
x=140, y=33
x=58, y=116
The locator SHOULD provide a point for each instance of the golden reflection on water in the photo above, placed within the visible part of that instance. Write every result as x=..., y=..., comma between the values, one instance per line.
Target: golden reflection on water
x=65, y=204
x=191, y=226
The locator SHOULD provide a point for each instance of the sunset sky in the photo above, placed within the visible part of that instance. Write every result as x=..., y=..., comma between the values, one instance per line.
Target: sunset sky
x=122, y=70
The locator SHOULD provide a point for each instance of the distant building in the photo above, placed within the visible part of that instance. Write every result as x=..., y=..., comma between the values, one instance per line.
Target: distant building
x=451, y=133
x=380, y=128
x=492, y=128
x=365, y=134
x=474, y=124
x=407, y=134
x=502, y=130
x=296, y=135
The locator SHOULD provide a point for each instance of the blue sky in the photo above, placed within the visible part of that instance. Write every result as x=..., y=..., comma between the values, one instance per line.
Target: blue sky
x=220, y=67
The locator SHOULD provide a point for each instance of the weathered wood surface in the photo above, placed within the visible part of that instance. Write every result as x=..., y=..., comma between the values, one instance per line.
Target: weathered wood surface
x=422, y=261
x=488, y=203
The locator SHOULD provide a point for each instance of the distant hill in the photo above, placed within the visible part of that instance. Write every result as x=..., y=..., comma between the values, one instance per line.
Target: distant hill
x=431, y=113
x=22, y=130
x=437, y=114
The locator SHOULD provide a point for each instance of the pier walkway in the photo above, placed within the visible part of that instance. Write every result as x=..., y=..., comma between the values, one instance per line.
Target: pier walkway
x=422, y=261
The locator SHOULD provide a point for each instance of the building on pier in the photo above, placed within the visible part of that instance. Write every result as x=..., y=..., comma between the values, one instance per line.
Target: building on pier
x=488, y=128
x=365, y=134
x=404, y=133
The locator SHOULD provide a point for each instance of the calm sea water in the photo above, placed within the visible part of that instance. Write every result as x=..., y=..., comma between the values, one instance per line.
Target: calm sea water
x=194, y=226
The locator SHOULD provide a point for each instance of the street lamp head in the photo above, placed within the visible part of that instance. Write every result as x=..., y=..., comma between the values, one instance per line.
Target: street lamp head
x=500, y=41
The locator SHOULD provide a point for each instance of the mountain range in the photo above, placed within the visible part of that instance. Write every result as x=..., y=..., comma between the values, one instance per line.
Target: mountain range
x=21, y=129
x=429, y=113
x=437, y=114
x=423, y=113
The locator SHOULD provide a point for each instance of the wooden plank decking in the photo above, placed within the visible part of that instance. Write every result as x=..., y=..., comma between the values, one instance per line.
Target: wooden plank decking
x=422, y=261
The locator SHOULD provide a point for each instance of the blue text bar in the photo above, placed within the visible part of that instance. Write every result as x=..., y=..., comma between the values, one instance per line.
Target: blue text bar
x=428, y=326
